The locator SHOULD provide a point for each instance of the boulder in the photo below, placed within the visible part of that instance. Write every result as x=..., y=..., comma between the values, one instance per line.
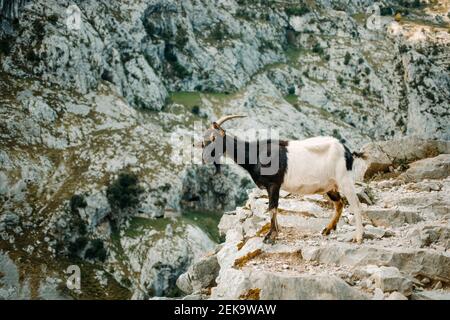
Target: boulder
x=276, y=286
x=384, y=154
x=411, y=262
x=430, y=168
x=201, y=275
x=431, y=295
x=377, y=160
x=426, y=235
x=390, y=279
x=396, y=296
x=227, y=222
x=371, y=232
x=387, y=217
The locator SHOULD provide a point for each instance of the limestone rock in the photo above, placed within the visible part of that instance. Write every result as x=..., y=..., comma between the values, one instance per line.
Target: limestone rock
x=280, y=287
x=396, y=296
x=382, y=155
x=431, y=295
x=201, y=275
x=430, y=168
x=391, y=217
x=390, y=279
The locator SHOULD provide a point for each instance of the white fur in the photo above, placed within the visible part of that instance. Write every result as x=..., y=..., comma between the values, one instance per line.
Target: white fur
x=317, y=165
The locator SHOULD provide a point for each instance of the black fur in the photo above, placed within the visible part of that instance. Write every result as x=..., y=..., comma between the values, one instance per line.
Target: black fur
x=254, y=167
x=264, y=148
x=348, y=158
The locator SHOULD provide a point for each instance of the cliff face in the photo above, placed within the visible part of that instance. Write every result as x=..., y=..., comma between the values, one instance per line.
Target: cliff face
x=90, y=88
x=405, y=252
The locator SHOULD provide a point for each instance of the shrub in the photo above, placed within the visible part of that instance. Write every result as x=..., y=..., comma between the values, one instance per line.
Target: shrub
x=5, y=46
x=180, y=70
x=195, y=110
x=317, y=48
x=356, y=80
x=430, y=96
x=297, y=11
x=96, y=251
x=327, y=57
x=367, y=70
x=403, y=49
x=124, y=192
x=386, y=11
x=366, y=91
x=357, y=104
x=181, y=38
x=336, y=134
x=291, y=90
x=347, y=58
x=340, y=80
x=77, y=246
x=218, y=33
x=53, y=19
x=77, y=201
x=360, y=60
x=169, y=55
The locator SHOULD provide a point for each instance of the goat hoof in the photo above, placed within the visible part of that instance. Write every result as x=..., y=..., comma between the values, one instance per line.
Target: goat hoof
x=326, y=231
x=270, y=238
x=357, y=239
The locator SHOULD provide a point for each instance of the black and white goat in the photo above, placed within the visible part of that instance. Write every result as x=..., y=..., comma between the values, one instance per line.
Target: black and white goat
x=312, y=166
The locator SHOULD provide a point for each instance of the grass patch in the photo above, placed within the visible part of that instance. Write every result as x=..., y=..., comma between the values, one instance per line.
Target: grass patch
x=291, y=98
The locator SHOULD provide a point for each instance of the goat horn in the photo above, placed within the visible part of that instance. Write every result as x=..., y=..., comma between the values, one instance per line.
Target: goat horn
x=226, y=118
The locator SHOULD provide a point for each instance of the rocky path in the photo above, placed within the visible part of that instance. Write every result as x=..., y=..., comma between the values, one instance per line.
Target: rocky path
x=405, y=253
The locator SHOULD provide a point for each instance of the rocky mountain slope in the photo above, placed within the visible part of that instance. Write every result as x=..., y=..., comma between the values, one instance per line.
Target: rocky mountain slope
x=405, y=253
x=122, y=91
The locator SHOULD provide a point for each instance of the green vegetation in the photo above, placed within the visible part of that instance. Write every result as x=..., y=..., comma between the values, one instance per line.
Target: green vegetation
x=76, y=247
x=317, y=49
x=196, y=110
x=291, y=98
x=291, y=90
x=181, y=38
x=124, y=192
x=219, y=32
x=96, y=251
x=188, y=99
x=297, y=11
x=335, y=133
x=347, y=58
x=207, y=221
x=366, y=91
x=5, y=46
x=77, y=201
x=340, y=80
x=53, y=19
x=170, y=56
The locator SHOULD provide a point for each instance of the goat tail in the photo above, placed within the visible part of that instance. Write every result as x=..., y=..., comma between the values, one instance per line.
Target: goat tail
x=361, y=155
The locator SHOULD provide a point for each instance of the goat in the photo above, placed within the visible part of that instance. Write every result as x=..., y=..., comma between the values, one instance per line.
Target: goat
x=316, y=165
